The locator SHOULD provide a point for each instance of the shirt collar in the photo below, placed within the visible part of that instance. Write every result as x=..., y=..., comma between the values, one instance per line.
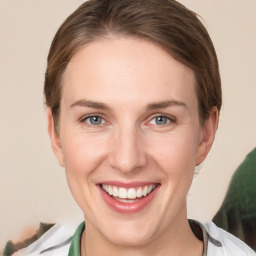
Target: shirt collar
x=74, y=249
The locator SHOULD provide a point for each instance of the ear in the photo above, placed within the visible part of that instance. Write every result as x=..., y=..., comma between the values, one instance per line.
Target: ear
x=208, y=134
x=54, y=137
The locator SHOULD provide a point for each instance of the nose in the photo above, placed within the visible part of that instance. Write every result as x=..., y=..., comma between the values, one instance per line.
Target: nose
x=128, y=153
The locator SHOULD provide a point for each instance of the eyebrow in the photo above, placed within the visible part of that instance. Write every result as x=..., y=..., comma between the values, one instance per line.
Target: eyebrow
x=165, y=104
x=90, y=104
x=151, y=106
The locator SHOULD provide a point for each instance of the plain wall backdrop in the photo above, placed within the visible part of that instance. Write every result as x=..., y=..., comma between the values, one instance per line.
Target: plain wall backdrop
x=33, y=186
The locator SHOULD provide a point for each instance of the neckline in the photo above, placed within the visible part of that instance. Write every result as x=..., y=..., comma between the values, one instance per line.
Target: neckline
x=75, y=245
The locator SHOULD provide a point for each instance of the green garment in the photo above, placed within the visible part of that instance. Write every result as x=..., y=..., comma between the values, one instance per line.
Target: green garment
x=237, y=214
x=74, y=249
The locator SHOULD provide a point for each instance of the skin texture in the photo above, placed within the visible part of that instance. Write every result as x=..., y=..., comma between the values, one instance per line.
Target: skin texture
x=129, y=76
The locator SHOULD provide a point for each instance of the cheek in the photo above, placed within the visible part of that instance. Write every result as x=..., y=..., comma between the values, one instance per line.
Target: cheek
x=82, y=152
x=175, y=156
x=175, y=151
x=82, y=155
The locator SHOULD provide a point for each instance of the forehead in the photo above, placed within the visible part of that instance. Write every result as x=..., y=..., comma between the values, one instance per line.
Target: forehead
x=125, y=68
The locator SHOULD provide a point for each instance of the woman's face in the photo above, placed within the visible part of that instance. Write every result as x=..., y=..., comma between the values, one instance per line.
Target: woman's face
x=128, y=124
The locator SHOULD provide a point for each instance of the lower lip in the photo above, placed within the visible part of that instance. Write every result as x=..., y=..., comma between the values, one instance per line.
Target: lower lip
x=134, y=207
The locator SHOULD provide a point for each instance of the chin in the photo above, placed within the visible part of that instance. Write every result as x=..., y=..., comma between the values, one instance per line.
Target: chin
x=131, y=234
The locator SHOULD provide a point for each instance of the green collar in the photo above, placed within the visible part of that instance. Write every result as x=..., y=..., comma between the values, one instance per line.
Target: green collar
x=74, y=249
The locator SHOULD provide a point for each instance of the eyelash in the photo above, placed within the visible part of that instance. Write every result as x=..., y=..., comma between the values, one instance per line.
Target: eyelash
x=83, y=120
x=170, y=119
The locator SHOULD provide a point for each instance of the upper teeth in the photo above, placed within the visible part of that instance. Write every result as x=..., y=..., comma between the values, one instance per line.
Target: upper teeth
x=128, y=193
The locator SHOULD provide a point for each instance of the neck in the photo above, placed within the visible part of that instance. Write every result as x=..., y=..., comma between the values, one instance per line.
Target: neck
x=177, y=239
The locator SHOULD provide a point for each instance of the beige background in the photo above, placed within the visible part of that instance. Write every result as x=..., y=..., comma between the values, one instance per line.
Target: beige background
x=32, y=185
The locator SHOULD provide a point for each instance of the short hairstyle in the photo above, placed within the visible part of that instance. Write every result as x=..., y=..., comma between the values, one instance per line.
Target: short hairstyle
x=165, y=23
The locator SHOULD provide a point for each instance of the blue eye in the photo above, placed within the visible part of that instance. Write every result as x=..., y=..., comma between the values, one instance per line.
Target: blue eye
x=160, y=120
x=94, y=120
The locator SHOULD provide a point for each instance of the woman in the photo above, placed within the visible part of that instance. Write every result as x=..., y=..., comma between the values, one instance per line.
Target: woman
x=133, y=94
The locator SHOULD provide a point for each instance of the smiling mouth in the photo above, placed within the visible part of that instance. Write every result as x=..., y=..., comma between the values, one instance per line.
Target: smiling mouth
x=128, y=195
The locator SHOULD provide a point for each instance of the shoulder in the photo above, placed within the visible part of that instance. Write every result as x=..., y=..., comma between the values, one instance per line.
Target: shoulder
x=56, y=241
x=224, y=243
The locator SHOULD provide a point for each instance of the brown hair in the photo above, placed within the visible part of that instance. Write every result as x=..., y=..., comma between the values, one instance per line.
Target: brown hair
x=166, y=23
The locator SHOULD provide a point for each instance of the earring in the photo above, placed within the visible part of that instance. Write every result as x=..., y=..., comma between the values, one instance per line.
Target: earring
x=197, y=169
